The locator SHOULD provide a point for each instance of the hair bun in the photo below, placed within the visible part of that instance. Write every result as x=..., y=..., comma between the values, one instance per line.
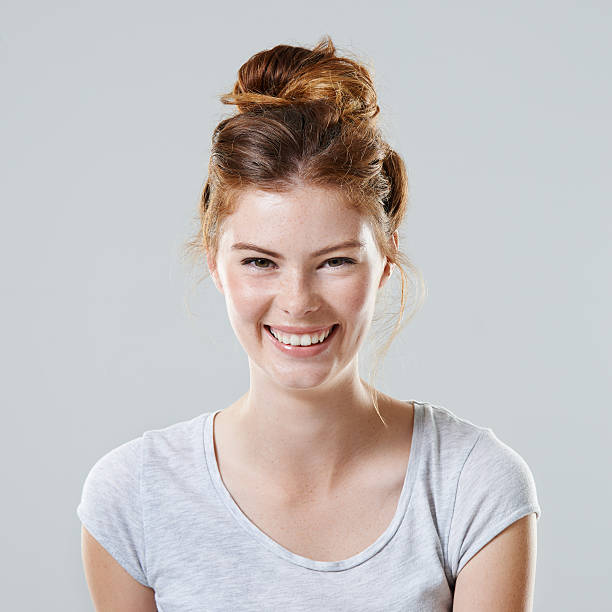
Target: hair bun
x=286, y=75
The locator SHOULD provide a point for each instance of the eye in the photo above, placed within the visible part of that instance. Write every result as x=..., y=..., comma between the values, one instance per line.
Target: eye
x=248, y=261
x=343, y=260
x=340, y=262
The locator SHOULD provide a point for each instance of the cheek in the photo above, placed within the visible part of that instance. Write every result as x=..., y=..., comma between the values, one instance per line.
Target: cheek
x=355, y=296
x=244, y=296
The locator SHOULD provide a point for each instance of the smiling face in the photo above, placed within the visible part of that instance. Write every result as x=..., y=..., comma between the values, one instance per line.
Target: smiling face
x=297, y=282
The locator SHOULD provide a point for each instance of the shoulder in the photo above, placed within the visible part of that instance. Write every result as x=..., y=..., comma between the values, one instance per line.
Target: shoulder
x=448, y=438
x=500, y=460
x=128, y=455
x=117, y=490
x=110, y=507
x=117, y=474
x=122, y=462
x=472, y=445
x=492, y=540
x=494, y=488
x=174, y=436
x=492, y=466
x=449, y=422
x=483, y=462
x=480, y=482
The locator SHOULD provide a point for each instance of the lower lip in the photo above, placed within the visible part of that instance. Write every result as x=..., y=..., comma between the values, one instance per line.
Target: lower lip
x=302, y=351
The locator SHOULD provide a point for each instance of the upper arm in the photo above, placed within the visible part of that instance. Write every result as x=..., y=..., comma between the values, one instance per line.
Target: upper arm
x=112, y=588
x=501, y=575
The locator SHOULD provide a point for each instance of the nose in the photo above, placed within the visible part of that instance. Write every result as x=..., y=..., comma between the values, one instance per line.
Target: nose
x=297, y=295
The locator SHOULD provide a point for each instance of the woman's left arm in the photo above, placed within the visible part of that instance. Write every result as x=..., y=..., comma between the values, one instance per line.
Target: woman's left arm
x=500, y=577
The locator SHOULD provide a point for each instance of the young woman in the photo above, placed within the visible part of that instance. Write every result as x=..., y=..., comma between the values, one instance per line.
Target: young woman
x=313, y=490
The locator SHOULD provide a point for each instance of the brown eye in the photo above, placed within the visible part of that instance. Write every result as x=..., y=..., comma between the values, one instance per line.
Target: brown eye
x=256, y=261
x=342, y=260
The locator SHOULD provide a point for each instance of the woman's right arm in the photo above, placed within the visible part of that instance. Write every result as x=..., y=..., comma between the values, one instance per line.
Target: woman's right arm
x=112, y=589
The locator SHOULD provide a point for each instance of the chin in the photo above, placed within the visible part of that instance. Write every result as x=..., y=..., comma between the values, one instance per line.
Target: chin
x=300, y=380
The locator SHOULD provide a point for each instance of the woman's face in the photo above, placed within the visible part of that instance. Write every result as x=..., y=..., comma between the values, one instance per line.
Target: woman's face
x=276, y=268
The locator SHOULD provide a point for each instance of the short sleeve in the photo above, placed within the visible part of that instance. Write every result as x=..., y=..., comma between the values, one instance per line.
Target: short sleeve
x=495, y=489
x=110, y=506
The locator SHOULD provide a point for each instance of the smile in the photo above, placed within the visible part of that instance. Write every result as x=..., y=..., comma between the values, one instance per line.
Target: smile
x=302, y=344
x=300, y=339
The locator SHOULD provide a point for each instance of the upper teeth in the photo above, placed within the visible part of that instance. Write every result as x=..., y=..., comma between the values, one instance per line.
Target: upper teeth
x=300, y=340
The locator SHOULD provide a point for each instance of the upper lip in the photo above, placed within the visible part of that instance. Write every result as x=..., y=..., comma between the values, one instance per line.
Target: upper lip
x=301, y=330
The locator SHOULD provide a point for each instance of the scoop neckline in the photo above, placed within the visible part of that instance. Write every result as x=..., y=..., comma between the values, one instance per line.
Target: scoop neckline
x=285, y=553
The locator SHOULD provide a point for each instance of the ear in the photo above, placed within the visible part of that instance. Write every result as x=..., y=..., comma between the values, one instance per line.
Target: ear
x=388, y=269
x=212, y=266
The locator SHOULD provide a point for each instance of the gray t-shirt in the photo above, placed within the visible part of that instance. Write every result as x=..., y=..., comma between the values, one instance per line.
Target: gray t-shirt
x=158, y=505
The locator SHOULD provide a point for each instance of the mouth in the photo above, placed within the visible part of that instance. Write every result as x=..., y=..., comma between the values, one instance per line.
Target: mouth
x=298, y=346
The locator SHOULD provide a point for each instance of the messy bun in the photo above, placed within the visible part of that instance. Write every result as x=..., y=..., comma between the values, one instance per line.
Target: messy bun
x=288, y=75
x=306, y=116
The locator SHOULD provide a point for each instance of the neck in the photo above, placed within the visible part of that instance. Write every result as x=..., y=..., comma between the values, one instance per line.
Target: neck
x=305, y=439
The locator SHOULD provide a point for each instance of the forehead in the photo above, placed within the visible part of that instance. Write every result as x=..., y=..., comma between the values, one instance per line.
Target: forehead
x=317, y=211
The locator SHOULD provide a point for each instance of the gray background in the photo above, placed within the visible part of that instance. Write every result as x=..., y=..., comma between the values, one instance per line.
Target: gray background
x=502, y=114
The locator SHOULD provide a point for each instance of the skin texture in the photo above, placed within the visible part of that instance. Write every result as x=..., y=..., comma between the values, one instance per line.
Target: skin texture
x=297, y=405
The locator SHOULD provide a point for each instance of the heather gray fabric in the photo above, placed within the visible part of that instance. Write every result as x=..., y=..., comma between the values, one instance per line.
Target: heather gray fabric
x=158, y=505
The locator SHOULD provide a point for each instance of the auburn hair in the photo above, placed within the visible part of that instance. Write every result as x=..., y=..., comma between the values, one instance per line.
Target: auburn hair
x=307, y=116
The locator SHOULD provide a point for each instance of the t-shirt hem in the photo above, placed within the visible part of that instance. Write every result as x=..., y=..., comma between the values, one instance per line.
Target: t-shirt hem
x=496, y=530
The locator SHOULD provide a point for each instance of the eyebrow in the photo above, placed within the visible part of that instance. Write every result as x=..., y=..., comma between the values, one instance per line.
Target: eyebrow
x=347, y=244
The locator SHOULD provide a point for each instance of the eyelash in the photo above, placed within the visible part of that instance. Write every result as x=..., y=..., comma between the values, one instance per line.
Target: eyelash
x=248, y=261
